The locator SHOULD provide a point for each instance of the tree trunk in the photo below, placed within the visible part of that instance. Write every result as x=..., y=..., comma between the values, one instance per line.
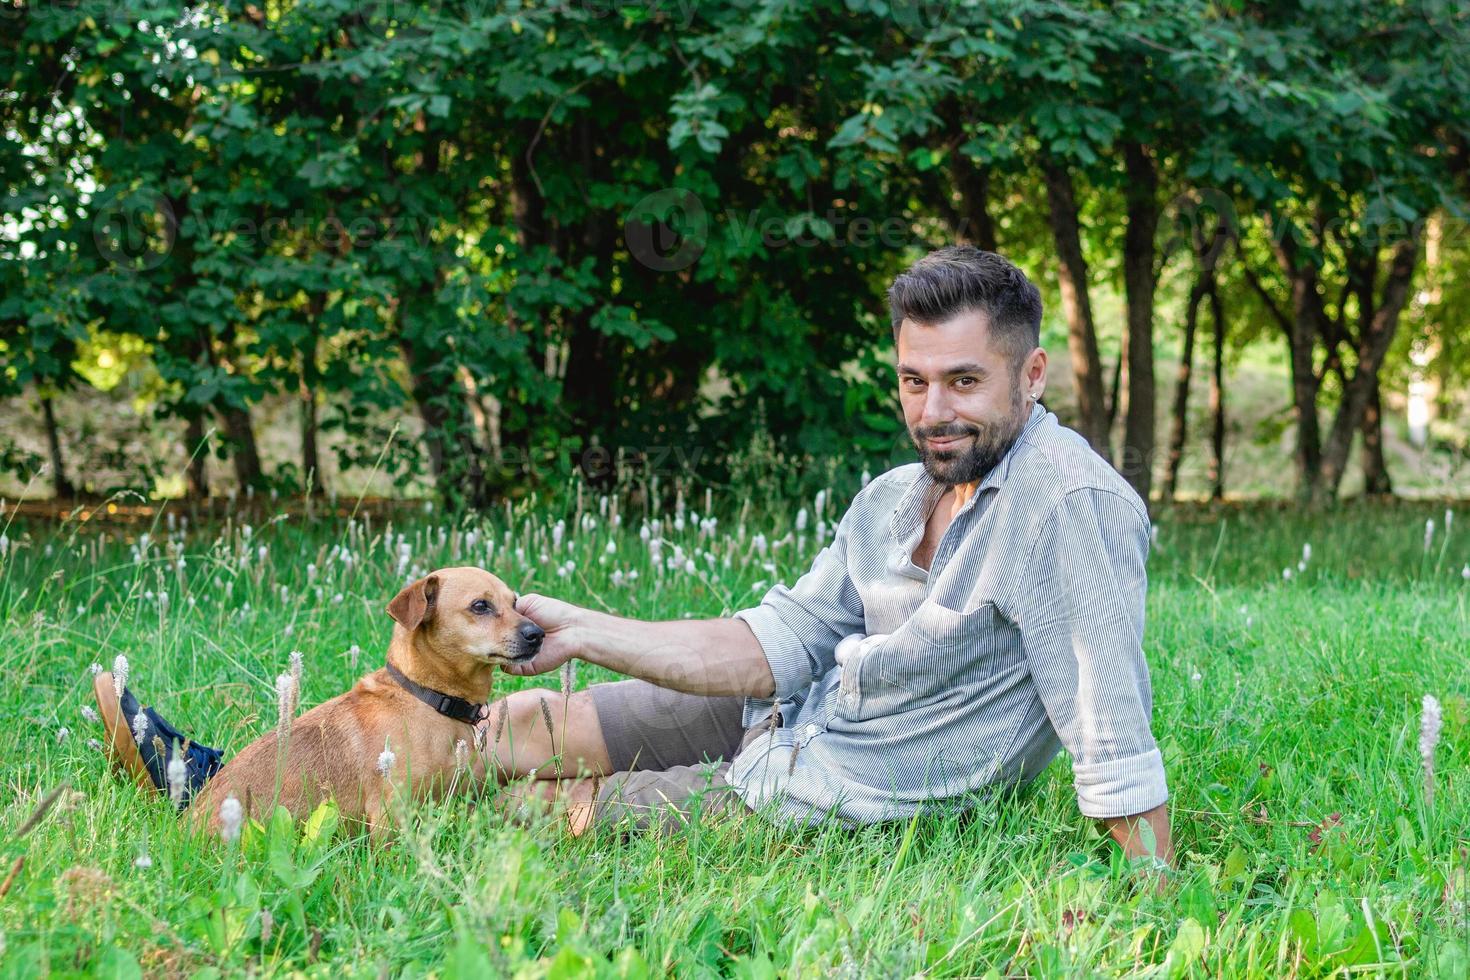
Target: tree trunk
x=594, y=359
x=311, y=470
x=972, y=181
x=1373, y=344
x=1087, y=368
x=1304, y=327
x=63, y=486
x=1206, y=256
x=1376, y=481
x=1180, y=414
x=1139, y=435
x=198, y=456
x=243, y=450
x=1217, y=398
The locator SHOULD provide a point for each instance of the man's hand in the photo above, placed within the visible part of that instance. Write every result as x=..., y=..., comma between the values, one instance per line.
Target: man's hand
x=559, y=620
x=1145, y=837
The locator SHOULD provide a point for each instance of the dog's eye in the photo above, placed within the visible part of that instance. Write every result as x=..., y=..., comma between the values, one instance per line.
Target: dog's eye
x=481, y=608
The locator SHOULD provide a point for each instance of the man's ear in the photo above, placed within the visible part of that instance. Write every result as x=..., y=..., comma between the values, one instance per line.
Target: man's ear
x=414, y=606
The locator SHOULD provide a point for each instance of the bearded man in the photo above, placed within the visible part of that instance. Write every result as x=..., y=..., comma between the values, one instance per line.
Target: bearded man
x=975, y=612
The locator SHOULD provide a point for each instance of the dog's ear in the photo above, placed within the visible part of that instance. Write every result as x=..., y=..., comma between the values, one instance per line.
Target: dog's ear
x=415, y=605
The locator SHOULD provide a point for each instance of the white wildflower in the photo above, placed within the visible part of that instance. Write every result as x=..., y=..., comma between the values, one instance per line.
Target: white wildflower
x=353, y=652
x=1428, y=533
x=689, y=567
x=94, y=668
x=285, y=699
x=611, y=548
x=386, y=759
x=1465, y=572
x=1306, y=553
x=61, y=734
x=144, y=862
x=231, y=815
x=1430, y=722
x=94, y=744
x=89, y=715
x=140, y=728
x=558, y=532
x=176, y=773
x=461, y=755
x=4, y=545
x=119, y=675
x=865, y=479
x=801, y=519
x=1286, y=573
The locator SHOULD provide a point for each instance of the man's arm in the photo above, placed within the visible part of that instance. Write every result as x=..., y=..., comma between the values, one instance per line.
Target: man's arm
x=1080, y=608
x=775, y=648
x=697, y=656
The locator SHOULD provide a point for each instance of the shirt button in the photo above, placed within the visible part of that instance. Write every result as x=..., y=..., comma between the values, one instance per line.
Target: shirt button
x=811, y=731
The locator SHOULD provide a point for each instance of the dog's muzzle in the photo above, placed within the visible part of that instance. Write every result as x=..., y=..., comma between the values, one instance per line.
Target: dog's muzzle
x=531, y=636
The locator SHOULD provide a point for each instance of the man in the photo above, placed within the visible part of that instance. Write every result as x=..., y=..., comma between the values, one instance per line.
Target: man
x=991, y=596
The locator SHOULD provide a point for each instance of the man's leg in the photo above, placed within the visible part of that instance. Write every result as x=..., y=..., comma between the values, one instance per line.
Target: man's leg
x=142, y=743
x=633, y=745
x=524, y=744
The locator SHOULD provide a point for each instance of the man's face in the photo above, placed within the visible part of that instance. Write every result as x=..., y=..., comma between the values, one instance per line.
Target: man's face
x=962, y=401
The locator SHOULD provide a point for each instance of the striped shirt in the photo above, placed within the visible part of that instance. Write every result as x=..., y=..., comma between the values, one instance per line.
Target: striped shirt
x=1024, y=637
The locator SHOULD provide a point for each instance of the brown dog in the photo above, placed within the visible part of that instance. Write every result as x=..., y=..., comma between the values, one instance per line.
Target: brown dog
x=390, y=735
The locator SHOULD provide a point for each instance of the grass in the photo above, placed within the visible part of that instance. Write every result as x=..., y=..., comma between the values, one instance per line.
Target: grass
x=1288, y=711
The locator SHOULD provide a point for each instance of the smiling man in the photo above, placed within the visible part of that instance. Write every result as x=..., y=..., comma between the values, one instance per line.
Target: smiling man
x=975, y=612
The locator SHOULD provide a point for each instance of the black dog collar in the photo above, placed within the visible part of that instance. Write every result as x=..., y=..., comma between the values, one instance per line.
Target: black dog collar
x=447, y=705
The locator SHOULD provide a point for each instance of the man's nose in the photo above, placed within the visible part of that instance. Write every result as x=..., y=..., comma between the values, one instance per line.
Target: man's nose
x=531, y=634
x=937, y=406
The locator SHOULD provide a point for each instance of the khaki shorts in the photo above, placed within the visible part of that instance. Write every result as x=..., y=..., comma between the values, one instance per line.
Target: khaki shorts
x=670, y=753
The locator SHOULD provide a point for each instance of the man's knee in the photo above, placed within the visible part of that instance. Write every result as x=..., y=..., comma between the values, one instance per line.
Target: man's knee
x=541, y=724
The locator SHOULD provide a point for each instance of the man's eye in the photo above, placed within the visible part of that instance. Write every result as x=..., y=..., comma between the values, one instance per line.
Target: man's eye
x=480, y=607
x=914, y=382
x=965, y=382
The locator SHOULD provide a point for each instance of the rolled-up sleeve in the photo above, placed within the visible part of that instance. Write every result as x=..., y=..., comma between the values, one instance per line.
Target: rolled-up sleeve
x=798, y=627
x=1079, y=606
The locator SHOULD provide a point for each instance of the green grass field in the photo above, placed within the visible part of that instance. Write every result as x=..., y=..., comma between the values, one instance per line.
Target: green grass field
x=1288, y=710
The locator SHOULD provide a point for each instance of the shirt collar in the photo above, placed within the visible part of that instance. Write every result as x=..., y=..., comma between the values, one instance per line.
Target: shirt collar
x=918, y=501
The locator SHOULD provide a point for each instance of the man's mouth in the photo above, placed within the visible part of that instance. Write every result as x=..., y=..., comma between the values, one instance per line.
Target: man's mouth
x=946, y=443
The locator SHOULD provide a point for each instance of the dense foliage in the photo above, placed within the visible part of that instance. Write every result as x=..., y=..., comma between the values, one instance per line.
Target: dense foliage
x=576, y=235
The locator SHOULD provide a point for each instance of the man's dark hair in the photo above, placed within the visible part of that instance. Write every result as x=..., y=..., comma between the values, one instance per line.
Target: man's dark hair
x=963, y=279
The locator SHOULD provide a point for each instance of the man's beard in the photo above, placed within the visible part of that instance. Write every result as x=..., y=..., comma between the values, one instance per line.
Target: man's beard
x=991, y=443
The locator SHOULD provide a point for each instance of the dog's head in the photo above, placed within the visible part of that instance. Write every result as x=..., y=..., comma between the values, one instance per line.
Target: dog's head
x=467, y=612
